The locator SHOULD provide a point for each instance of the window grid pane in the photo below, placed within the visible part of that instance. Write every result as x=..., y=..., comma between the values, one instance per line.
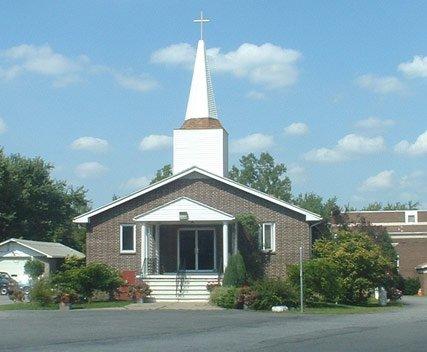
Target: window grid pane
x=127, y=238
x=267, y=236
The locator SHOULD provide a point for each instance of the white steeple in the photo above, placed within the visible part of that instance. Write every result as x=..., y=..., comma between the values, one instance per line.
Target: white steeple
x=201, y=141
x=201, y=101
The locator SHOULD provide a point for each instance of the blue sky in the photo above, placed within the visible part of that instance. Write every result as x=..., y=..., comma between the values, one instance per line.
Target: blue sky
x=337, y=92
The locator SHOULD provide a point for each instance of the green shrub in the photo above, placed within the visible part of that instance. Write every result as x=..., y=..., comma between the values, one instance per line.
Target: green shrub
x=361, y=263
x=34, y=268
x=273, y=292
x=88, y=279
x=224, y=297
x=249, y=246
x=235, y=273
x=411, y=285
x=42, y=292
x=321, y=280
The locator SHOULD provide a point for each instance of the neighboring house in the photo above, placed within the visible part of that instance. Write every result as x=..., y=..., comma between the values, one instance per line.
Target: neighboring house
x=408, y=231
x=178, y=233
x=14, y=253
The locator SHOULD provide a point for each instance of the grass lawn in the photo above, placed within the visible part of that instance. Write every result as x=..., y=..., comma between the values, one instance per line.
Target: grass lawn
x=36, y=306
x=330, y=308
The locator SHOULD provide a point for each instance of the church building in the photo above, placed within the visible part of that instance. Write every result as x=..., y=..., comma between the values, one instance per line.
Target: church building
x=178, y=234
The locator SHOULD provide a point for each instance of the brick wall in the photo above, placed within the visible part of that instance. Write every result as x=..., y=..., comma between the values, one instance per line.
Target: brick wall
x=412, y=252
x=291, y=229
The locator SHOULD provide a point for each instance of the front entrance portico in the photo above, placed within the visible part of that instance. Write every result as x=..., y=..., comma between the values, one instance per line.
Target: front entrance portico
x=186, y=235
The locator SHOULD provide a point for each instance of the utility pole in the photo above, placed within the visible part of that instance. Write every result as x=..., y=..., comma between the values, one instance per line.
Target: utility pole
x=301, y=281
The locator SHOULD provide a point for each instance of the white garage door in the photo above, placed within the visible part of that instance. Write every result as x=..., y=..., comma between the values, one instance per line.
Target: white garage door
x=15, y=268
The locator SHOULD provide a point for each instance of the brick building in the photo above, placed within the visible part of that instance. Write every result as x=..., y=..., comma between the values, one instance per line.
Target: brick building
x=408, y=231
x=178, y=233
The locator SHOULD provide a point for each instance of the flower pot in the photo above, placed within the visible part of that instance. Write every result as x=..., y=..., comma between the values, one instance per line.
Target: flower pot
x=64, y=306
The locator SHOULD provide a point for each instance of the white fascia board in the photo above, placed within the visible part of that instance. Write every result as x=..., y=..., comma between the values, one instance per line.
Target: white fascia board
x=84, y=218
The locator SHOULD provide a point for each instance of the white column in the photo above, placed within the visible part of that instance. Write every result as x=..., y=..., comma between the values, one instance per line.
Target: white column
x=143, y=247
x=157, y=240
x=225, y=244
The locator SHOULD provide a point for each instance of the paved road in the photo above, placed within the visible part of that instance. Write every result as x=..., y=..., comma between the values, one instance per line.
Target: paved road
x=103, y=330
x=5, y=300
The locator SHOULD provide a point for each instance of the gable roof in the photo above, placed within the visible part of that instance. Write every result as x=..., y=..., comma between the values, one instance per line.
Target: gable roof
x=47, y=249
x=310, y=216
x=196, y=211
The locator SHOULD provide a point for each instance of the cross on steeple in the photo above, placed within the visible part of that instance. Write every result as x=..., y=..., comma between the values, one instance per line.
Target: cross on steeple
x=201, y=21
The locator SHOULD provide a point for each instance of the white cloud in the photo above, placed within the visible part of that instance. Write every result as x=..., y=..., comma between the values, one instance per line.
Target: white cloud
x=252, y=143
x=181, y=54
x=3, y=126
x=415, y=68
x=155, y=142
x=297, y=129
x=297, y=173
x=383, y=180
x=268, y=65
x=374, y=123
x=43, y=60
x=325, y=155
x=419, y=147
x=348, y=147
x=254, y=95
x=91, y=144
x=382, y=85
x=90, y=169
x=138, y=83
x=136, y=183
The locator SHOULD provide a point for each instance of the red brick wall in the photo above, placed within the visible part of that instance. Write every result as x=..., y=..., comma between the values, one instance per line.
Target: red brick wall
x=412, y=252
x=291, y=229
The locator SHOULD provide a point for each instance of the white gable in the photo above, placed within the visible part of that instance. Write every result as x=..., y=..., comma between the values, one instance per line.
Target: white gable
x=170, y=212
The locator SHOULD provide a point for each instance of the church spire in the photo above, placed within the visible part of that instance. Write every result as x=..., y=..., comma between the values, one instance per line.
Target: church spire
x=201, y=101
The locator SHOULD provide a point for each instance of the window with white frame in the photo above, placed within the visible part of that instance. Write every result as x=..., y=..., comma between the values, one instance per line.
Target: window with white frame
x=411, y=216
x=127, y=238
x=268, y=236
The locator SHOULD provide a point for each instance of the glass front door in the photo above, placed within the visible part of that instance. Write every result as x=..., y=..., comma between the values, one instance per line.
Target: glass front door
x=196, y=249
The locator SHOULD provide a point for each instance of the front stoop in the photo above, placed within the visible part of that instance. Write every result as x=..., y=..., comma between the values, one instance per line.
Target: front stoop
x=188, y=288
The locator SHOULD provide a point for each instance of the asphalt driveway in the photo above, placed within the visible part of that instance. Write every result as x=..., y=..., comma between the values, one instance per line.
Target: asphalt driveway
x=5, y=300
x=122, y=330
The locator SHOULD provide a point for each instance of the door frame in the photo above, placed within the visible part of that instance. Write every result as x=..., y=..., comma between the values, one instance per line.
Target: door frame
x=196, y=248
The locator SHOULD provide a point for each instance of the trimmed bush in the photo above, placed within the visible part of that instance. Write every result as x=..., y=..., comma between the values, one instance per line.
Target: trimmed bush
x=272, y=292
x=88, y=279
x=42, y=292
x=411, y=285
x=34, y=268
x=224, y=297
x=321, y=280
x=235, y=273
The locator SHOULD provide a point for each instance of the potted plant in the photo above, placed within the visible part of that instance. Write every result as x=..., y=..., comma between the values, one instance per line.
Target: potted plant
x=139, y=292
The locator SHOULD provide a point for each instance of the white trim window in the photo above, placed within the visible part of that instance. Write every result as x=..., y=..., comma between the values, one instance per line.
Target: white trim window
x=411, y=216
x=127, y=238
x=268, y=236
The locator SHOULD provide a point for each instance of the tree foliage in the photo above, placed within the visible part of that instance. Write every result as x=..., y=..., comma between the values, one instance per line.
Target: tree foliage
x=162, y=173
x=34, y=268
x=376, y=206
x=316, y=204
x=321, y=281
x=249, y=245
x=361, y=263
x=34, y=206
x=263, y=174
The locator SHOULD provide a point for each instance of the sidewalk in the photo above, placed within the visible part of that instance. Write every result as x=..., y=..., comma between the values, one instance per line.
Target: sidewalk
x=172, y=306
